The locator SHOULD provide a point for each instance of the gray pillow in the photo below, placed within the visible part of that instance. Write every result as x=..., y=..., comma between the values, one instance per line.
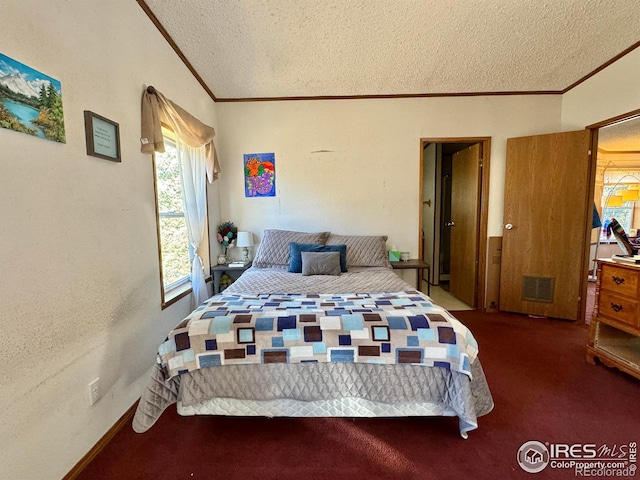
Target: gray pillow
x=273, y=250
x=363, y=250
x=320, y=263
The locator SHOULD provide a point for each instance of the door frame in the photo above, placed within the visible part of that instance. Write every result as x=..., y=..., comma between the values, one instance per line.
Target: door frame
x=483, y=206
x=594, y=128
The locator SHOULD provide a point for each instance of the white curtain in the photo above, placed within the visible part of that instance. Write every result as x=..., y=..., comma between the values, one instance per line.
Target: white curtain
x=193, y=175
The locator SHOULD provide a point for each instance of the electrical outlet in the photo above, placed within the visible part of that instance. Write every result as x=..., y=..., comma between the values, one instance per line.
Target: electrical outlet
x=94, y=391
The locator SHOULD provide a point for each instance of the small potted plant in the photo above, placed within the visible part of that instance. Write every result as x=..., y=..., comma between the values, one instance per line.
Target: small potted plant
x=227, y=233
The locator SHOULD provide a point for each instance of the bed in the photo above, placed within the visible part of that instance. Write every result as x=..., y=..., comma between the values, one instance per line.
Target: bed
x=320, y=325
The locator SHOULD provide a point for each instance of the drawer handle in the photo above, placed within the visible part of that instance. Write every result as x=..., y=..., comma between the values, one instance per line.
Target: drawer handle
x=616, y=308
x=617, y=280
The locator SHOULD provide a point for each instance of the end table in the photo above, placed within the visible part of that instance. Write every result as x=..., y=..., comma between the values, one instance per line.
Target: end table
x=218, y=270
x=420, y=266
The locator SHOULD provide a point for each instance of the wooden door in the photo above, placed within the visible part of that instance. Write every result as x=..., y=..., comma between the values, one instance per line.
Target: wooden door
x=545, y=219
x=465, y=189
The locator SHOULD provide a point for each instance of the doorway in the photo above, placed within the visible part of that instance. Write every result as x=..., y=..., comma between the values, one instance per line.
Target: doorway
x=616, y=179
x=454, y=192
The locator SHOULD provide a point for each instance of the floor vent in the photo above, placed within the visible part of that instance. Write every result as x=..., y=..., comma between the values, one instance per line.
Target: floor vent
x=538, y=289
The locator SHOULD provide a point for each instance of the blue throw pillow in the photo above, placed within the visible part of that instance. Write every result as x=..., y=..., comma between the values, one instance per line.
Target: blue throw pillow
x=296, y=249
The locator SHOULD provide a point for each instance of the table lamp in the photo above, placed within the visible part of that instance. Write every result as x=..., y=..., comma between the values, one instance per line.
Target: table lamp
x=244, y=241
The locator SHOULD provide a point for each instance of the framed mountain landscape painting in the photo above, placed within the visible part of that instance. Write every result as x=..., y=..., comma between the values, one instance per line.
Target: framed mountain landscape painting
x=30, y=101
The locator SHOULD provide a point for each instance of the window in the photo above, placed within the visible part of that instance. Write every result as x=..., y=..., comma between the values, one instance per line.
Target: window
x=623, y=214
x=175, y=251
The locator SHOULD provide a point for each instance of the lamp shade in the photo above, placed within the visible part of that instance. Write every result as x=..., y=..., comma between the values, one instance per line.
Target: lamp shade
x=245, y=239
x=629, y=195
x=614, y=201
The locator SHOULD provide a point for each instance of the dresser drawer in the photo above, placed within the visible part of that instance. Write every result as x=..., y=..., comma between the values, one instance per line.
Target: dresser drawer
x=618, y=308
x=619, y=280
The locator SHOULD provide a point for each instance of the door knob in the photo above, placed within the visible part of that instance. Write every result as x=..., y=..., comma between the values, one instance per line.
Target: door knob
x=450, y=224
x=508, y=226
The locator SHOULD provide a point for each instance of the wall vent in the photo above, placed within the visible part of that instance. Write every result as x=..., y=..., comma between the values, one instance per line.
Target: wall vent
x=538, y=289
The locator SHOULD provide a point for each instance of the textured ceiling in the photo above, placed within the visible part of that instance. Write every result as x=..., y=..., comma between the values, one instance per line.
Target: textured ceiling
x=620, y=137
x=308, y=48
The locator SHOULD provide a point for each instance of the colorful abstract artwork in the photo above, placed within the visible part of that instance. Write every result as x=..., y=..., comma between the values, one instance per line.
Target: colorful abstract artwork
x=30, y=101
x=259, y=175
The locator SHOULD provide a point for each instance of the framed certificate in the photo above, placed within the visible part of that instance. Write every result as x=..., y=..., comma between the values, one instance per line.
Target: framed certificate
x=103, y=137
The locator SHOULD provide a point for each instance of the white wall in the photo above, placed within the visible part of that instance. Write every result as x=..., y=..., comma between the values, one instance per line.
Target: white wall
x=79, y=289
x=369, y=182
x=611, y=92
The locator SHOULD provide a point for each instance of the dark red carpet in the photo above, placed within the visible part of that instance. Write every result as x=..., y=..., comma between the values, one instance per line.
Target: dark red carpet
x=542, y=387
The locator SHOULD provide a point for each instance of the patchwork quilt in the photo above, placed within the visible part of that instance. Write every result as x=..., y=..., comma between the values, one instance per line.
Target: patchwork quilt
x=375, y=328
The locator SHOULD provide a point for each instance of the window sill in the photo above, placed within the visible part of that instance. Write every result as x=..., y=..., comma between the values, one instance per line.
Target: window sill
x=178, y=292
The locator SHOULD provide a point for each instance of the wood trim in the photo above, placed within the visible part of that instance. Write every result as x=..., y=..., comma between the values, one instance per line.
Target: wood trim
x=173, y=300
x=155, y=199
x=180, y=296
x=167, y=37
x=420, y=207
x=103, y=442
x=602, y=67
x=455, y=140
x=385, y=96
x=483, y=243
x=617, y=119
x=586, y=243
x=164, y=303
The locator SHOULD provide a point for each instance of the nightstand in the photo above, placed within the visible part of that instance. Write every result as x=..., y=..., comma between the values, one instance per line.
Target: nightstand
x=420, y=266
x=218, y=270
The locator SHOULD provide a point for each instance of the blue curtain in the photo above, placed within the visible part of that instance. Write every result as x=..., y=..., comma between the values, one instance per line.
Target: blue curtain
x=596, y=222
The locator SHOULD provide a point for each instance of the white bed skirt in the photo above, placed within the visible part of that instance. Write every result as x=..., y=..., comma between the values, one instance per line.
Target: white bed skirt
x=341, y=407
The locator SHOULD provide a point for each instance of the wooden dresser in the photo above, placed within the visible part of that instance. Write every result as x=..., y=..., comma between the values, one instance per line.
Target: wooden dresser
x=614, y=336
